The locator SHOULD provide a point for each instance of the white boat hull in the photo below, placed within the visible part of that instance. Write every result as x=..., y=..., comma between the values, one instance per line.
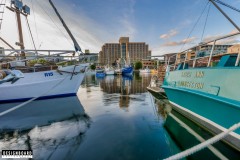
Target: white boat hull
x=145, y=71
x=45, y=84
x=110, y=72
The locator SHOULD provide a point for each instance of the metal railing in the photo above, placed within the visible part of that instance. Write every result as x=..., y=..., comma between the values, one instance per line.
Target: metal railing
x=209, y=57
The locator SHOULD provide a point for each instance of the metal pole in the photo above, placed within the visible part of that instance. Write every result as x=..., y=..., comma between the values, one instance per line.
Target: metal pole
x=238, y=58
x=229, y=19
x=195, y=59
x=20, y=33
x=185, y=60
x=210, y=57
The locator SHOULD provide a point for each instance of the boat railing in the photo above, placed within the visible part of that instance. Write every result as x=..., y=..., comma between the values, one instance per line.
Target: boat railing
x=36, y=60
x=205, y=61
x=15, y=55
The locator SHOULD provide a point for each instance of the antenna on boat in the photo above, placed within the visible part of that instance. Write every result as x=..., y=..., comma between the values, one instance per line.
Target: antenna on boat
x=19, y=9
x=228, y=18
x=76, y=45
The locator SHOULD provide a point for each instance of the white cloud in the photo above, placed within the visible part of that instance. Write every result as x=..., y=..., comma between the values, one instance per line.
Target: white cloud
x=170, y=34
x=227, y=41
x=90, y=33
x=181, y=42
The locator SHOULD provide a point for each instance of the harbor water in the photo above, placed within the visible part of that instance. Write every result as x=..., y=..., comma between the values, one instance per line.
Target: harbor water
x=114, y=117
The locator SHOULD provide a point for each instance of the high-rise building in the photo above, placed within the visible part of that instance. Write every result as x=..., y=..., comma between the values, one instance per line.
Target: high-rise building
x=129, y=51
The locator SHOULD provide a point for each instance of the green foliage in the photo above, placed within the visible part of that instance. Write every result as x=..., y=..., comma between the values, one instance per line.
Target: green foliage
x=42, y=61
x=93, y=67
x=69, y=63
x=138, y=65
x=214, y=64
x=61, y=63
x=32, y=62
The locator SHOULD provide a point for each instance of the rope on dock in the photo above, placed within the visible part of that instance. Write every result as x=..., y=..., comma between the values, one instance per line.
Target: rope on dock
x=29, y=101
x=203, y=145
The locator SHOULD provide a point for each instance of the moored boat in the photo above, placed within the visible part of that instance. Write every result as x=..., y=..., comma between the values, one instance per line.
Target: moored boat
x=128, y=70
x=100, y=73
x=46, y=84
x=118, y=71
x=154, y=71
x=38, y=81
x=145, y=70
x=208, y=95
x=109, y=71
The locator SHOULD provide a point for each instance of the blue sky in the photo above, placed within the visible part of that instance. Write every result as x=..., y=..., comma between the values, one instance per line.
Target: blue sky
x=163, y=24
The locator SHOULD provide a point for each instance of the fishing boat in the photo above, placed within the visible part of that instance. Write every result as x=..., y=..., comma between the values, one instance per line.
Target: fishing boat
x=145, y=70
x=209, y=96
x=127, y=70
x=109, y=70
x=20, y=83
x=100, y=73
x=118, y=70
x=154, y=71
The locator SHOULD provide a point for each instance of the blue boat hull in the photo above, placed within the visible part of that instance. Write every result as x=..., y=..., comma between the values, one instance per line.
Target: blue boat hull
x=40, y=98
x=100, y=75
x=127, y=71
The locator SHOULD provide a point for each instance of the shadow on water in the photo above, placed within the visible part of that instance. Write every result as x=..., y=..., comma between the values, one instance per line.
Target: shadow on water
x=187, y=134
x=52, y=128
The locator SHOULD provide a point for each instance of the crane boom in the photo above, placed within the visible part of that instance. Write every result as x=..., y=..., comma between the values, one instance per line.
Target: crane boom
x=76, y=45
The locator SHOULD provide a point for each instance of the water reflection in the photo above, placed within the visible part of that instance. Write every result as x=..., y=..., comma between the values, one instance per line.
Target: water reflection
x=119, y=89
x=125, y=125
x=163, y=107
x=41, y=112
x=52, y=128
x=187, y=134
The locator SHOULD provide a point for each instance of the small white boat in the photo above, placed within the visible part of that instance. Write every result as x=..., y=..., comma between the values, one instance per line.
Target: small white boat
x=109, y=71
x=118, y=71
x=146, y=70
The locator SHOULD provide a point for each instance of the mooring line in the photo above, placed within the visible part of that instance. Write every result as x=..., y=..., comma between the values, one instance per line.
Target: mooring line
x=204, y=144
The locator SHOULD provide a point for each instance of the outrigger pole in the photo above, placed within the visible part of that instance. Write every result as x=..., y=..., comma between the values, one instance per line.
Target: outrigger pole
x=76, y=45
x=228, y=18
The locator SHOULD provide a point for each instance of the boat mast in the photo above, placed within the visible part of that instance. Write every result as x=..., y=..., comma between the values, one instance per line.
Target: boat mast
x=19, y=9
x=228, y=18
x=76, y=45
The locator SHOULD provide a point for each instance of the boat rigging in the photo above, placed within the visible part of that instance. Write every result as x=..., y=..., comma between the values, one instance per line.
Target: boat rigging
x=227, y=5
x=76, y=45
